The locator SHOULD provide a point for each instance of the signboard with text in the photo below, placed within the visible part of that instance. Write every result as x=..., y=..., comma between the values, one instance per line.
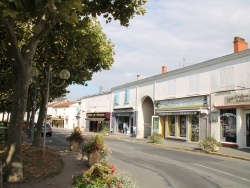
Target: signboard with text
x=191, y=102
x=241, y=97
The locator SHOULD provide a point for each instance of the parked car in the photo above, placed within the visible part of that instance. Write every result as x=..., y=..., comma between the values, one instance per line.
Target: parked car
x=4, y=129
x=48, y=130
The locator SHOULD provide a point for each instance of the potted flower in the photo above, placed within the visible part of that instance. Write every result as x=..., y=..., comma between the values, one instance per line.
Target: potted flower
x=210, y=144
x=102, y=175
x=75, y=138
x=95, y=149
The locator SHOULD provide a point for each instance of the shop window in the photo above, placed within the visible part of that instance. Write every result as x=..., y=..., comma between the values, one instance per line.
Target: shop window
x=171, y=125
x=127, y=95
x=172, y=87
x=183, y=126
x=194, y=122
x=194, y=83
x=227, y=77
x=116, y=100
x=228, y=125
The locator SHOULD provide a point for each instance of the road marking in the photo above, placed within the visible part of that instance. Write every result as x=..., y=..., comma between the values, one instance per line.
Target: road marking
x=123, y=146
x=222, y=172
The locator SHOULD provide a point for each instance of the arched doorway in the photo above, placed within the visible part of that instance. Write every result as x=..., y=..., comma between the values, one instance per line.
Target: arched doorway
x=148, y=112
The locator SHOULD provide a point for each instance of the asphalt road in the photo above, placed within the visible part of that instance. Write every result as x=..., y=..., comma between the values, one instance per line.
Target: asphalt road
x=153, y=166
x=157, y=167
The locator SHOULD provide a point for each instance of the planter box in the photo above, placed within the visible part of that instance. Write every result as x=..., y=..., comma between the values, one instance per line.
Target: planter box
x=94, y=158
x=74, y=145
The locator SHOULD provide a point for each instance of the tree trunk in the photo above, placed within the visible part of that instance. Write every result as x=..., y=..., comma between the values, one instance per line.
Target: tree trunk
x=14, y=167
x=40, y=120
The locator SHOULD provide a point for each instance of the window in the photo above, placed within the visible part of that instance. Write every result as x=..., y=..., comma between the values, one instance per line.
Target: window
x=194, y=122
x=183, y=126
x=227, y=77
x=116, y=100
x=127, y=95
x=228, y=125
x=172, y=87
x=171, y=125
x=194, y=83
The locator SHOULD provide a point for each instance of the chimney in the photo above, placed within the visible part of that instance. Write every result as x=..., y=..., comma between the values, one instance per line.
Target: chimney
x=164, y=69
x=240, y=44
x=138, y=77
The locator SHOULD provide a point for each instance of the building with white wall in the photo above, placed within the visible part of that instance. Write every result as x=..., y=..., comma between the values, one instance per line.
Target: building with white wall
x=62, y=114
x=209, y=98
x=94, y=111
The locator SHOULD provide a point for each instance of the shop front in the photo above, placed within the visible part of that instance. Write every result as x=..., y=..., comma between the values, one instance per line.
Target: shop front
x=231, y=118
x=96, y=121
x=184, y=119
x=124, y=119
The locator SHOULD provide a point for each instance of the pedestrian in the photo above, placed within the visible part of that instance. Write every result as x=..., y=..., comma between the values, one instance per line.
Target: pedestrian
x=124, y=127
x=134, y=132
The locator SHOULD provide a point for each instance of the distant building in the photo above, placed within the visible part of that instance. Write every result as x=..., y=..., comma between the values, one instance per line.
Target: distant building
x=187, y=104
x=62, y=114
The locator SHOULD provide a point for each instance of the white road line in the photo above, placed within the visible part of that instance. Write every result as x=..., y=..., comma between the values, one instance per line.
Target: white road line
x=123, y=146
x=222, y=172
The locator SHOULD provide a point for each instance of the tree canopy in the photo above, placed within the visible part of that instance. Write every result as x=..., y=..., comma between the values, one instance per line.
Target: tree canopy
x=28, y=23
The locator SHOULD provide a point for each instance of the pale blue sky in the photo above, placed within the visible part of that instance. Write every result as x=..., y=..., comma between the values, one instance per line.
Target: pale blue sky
x=174, y=34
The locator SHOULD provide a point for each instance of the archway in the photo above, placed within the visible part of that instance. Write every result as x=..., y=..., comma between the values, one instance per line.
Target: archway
x=148, y=112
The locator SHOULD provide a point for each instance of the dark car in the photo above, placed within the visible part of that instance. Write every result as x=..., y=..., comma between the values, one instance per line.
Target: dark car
x=48, y=130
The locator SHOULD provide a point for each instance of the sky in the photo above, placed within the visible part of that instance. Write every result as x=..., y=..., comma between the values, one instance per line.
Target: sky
x=175, y=34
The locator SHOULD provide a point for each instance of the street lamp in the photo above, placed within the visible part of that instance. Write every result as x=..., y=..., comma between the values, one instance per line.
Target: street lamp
x=64, y=74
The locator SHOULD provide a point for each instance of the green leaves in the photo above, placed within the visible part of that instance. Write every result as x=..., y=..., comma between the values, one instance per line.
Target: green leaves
x=11, y=13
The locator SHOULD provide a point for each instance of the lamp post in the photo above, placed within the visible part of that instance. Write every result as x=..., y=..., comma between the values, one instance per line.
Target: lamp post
x=64, y=74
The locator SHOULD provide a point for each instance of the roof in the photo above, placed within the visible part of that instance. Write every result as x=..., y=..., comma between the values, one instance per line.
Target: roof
x=64, y=104
x=97, y=94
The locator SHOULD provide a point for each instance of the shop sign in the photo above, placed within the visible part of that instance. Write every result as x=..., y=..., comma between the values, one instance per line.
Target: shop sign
x=192, y=102
x=214, y=117
x=178, y=113
x=96, y=115
x=115, y=114
x=238, y=98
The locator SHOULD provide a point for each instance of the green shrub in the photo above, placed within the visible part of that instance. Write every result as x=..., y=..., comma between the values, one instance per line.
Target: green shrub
x=156, y=138
x=104, y=128
x=209, y=144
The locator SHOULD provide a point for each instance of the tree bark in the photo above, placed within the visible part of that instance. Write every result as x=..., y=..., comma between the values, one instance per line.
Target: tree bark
x=41, y=118
x=14, y=167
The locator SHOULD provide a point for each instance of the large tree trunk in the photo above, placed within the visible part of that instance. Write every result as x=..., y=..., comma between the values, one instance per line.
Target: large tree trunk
x=14, y=167
x=40, y=121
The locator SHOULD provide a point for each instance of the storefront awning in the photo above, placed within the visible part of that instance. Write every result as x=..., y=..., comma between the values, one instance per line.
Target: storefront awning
x=96, y=119
x=182, y=112
x=57, y=119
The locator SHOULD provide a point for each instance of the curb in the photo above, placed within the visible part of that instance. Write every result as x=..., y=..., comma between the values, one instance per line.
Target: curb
x=186, y=149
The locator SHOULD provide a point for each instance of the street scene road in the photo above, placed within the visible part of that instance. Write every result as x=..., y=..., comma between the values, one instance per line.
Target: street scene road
x=154, y=166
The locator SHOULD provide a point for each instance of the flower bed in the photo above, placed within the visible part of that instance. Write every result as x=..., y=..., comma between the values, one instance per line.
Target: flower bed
x=103, y=175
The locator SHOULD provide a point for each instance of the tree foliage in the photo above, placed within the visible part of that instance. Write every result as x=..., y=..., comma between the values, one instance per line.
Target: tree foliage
x=27, y=24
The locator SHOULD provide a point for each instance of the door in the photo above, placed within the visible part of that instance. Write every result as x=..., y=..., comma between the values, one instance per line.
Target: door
x=248, y=130
x=155, y=124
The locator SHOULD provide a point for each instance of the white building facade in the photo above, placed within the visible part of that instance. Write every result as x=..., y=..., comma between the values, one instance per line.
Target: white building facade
x=62, y=114
x=209, y=98
x=94, y=111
